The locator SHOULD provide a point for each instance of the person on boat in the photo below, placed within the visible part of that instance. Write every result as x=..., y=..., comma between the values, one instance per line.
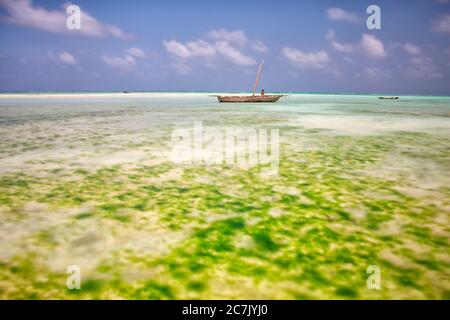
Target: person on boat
x=262, y=92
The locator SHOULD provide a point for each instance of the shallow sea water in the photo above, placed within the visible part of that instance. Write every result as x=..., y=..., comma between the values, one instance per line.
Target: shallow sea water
x=87, y=180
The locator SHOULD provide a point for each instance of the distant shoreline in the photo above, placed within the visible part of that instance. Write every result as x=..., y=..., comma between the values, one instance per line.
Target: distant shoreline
x=138, y=94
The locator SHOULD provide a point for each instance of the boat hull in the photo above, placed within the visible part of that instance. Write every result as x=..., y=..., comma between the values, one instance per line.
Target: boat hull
x=239, y=99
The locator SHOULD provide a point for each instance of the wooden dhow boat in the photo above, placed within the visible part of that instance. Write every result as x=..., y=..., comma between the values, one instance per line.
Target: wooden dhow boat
x=253, y=97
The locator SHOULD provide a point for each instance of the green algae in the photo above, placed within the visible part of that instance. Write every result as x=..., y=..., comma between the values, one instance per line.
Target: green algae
x=309, y=232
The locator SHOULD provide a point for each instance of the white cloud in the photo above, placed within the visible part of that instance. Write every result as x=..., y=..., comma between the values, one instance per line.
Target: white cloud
x=181, y=67
x=338, y=14
x=422, y=67
x=126, y=63
x=300, y=59
x=233, y=55
x=442, y=24
x=237, y=37
x=412, y=49
x=228, y=45
x=177, y=49
x=190, y=49
x=67, y=58
x=135, y=52
x=330, y=35
x=368, y=44
x=259, y=46
x=201, y=48
x=23, y=13
x=372, y=46
x=342, y=47
x=419, y=66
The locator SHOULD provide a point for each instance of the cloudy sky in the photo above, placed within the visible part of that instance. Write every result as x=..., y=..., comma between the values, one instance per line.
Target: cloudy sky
x=314, y=46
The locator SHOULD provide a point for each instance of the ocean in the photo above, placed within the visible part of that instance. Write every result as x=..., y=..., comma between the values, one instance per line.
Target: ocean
x=90, y=179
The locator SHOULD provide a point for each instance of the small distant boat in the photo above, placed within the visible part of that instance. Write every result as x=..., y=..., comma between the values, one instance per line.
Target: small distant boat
x=388, y=98
x=254, y=97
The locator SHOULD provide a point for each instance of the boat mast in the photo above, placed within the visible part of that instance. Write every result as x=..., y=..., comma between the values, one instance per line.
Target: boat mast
x=257, y=78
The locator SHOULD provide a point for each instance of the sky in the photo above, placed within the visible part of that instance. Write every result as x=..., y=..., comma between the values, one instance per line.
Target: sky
x=307, y=46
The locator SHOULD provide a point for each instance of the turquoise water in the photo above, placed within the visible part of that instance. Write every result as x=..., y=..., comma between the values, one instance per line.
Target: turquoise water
x=88, y=179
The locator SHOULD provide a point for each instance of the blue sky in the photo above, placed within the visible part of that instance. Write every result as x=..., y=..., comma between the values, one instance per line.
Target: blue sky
x=320, y=46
